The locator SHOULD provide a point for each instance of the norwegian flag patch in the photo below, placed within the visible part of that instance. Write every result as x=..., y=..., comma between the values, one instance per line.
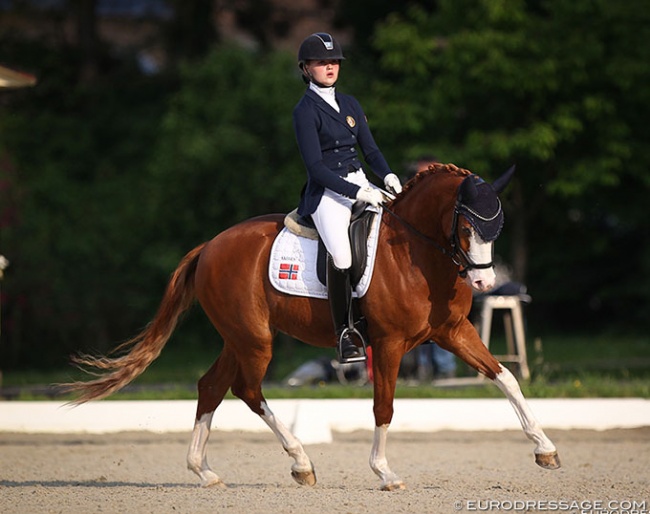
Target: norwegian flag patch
x=288, y=271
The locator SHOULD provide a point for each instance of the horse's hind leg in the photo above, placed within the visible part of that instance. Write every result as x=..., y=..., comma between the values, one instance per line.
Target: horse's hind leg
x=212, y=387
x=247, y=386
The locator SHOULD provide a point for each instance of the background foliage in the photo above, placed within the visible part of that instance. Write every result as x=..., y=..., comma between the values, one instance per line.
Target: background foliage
x=553, y=87
x=108, y=176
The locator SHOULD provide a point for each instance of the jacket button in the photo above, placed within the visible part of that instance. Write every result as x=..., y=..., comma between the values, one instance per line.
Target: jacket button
x=336, y=150
x=339, y=164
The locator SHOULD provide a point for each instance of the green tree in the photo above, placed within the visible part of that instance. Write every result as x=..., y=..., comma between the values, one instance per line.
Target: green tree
x=558, y=88
x=127, y=178
x=226, y=150
x=71, y=177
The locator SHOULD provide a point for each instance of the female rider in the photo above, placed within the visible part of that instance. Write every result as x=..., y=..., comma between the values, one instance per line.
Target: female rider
x=329, y=126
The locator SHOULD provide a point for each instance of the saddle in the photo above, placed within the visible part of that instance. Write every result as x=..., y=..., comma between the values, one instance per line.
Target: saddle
x=360, y=224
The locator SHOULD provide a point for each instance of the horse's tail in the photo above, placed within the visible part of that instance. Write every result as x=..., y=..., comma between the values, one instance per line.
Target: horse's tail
x=146, y=346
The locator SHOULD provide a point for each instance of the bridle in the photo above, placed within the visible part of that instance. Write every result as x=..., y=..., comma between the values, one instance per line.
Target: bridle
x=456, y=253
x=456, y=247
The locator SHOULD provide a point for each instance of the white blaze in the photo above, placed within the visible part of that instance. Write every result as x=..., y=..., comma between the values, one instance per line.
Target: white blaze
x=480, y=252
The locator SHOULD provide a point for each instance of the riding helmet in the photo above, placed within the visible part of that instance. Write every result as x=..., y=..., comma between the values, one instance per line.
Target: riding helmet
x=319, y=46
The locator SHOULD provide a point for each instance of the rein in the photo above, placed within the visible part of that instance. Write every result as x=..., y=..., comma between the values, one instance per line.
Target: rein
x=458, y=256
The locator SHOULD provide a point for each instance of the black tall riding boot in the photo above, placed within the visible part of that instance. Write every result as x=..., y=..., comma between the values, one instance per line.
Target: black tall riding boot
x=339, y=292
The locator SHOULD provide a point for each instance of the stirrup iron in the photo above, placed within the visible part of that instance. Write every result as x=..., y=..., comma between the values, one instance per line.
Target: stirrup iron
x=353, y=333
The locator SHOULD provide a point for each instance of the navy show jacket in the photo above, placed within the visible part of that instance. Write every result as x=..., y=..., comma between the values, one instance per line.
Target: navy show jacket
x=327, y=141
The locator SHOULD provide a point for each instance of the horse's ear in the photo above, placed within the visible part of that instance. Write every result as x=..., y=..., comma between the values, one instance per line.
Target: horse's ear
x=468, y=190
x=500, y=184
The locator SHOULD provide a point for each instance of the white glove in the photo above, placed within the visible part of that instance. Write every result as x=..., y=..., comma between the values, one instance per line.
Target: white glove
x=370, y=195
x=392, y=183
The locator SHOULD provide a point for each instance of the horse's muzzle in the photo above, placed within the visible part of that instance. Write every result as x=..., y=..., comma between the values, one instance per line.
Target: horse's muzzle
x=481, y=280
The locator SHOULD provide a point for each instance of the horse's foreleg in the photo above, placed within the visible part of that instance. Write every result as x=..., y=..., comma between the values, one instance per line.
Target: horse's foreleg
x=385, y=368
x=379, y=464
x=467, y=345
x=545, y=452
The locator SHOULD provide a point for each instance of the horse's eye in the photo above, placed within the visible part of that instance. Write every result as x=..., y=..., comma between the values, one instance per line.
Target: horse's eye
x=466, y=231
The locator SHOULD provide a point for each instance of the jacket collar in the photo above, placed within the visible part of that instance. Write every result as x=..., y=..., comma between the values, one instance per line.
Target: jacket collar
x=328, y=109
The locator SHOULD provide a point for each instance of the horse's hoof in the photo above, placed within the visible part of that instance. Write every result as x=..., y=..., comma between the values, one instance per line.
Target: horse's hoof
x=547, y=460
x=394, y=486
x=304, y=477
x=216, y=483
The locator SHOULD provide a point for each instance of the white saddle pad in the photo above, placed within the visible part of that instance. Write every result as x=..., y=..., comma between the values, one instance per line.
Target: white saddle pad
x=292, y=268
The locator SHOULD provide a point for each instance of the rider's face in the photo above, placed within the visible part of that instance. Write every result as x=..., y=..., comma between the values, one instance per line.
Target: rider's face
x=325, y=72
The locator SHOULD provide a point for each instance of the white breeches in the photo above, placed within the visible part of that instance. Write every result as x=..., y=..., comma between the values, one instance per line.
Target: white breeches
x=332, y=219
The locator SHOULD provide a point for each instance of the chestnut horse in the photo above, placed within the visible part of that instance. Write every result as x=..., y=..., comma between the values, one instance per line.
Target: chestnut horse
x=427, y=236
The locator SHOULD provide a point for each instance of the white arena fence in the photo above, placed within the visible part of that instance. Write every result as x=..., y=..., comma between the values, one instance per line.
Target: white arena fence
x=314, y=421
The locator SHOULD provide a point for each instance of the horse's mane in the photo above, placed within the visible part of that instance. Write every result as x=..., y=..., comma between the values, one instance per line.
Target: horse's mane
x=433, y=169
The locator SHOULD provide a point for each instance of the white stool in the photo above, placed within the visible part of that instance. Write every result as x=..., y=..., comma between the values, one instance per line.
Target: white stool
x=513, y=321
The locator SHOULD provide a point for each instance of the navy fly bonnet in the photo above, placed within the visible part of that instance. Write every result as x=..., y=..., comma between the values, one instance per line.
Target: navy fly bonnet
x=479, y=203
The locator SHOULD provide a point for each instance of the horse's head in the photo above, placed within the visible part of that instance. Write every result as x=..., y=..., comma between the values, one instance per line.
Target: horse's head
x=470, y=217
x=477, y=222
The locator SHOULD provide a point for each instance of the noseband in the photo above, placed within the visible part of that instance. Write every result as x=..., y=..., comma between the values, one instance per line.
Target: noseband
x=459, y=256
